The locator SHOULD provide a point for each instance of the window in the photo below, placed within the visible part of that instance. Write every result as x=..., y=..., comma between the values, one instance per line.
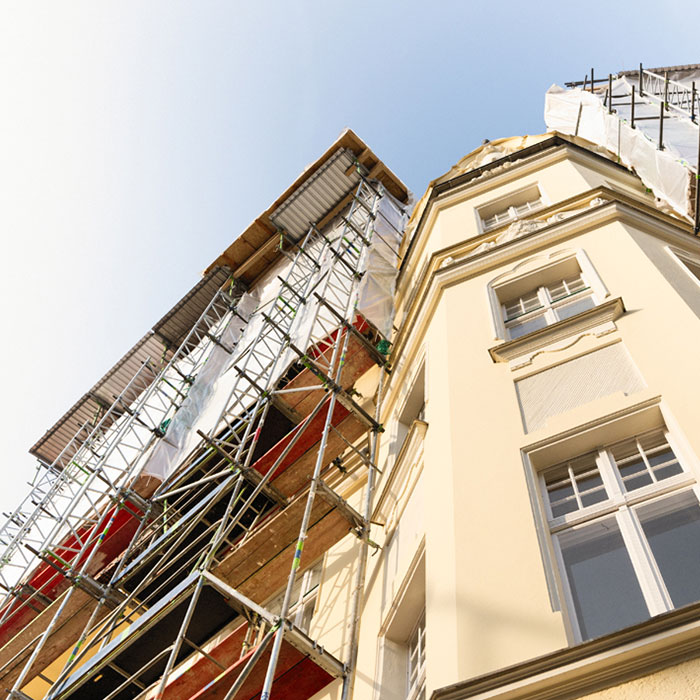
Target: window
x=413, y=408
x=401, y=653
x=416, y=661
x=547, y=304
x=511, y=208
x=303, y=600
x=625, y=526
x=688, y=262
x=548, y=295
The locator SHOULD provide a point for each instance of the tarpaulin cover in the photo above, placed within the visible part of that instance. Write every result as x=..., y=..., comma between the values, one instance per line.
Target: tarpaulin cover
x=664, y=172
x=220, y=389
x=182, y=430
x=376, y=292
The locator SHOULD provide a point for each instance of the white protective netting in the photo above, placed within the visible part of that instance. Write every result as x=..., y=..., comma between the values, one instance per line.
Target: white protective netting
x=213, y=390
x=665, y=172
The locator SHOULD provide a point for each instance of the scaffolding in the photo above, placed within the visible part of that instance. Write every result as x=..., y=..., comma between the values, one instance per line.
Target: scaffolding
x=648, y=118
x=88, y=492
x=181, y=512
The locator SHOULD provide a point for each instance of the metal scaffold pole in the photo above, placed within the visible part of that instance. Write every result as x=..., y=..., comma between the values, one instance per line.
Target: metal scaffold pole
x=294, y=362
x=119, y=460
x=360, y=574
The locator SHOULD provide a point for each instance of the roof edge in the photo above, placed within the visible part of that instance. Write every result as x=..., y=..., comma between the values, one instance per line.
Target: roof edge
x=254, y=239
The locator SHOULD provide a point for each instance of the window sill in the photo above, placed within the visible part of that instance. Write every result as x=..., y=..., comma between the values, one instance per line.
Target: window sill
x=597, y=321
x=662, y=641
x=396, y=490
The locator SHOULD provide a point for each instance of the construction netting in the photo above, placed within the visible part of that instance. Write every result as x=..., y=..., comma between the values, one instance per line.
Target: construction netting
x=220, y=388
x=666, y=172
x=376, y=293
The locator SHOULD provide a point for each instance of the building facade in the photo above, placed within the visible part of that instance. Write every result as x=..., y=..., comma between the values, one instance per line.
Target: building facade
x=451, y=456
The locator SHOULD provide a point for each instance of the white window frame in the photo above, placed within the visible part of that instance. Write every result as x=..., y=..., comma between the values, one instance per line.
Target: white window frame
x=504, y=208
x=305, y=602
x=402, y=618
x=534, y=267
x=549, y=308
x=623, y=507
x=415, y=665
x=415, y=383
x=682, y=257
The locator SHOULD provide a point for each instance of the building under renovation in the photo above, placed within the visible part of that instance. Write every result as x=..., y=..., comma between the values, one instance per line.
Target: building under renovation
x=391, y=450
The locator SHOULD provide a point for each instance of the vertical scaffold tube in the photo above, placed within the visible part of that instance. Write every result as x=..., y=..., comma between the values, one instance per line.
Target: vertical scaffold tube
x=349, y=680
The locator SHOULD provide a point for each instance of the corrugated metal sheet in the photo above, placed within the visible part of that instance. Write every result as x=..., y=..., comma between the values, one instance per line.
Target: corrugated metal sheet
x=158, y=344
x=575, y=383
x=317, y=196
x=311, y=197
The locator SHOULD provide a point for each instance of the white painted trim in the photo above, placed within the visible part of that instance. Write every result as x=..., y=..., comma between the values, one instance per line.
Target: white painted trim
x=620, y=505
x=505, y=201
x=535, y=265
x=680, y=256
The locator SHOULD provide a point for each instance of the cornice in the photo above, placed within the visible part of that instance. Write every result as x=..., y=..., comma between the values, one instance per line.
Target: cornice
x=572, y=672
x=452, y=265
x=597, y=320
x=499, y=172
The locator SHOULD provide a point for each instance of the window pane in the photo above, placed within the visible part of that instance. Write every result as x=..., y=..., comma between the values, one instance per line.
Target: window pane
x=632, y=467
x=637, y=482
x=591, y=497
x=416, y=661
x=303, y=618
x=560, y=491
x=527, y=206
x=566, y=287
x=660, y=456
x=498, y=218
x=557, y=290
x=527, y=326
x=522, y=305
x=672, y=528
x=603, y=585
x=575, y=284
x=634, y=473
x=576, y=307
x=565, y=480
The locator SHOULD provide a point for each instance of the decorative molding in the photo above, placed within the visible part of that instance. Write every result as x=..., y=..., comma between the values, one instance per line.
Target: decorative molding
x=598, y=321
x=532, y=223
x=400, y=481
x=573, y=672
x=427, y=288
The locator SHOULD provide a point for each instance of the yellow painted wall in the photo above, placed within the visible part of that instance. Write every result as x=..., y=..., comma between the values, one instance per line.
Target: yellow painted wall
x=488, y=604
x=680, y=682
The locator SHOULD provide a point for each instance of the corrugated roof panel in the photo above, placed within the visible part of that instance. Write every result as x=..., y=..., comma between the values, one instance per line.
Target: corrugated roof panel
x=174, y=326
x=317, y=196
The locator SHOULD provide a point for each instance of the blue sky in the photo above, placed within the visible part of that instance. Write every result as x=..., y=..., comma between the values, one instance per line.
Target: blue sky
x=138, y=139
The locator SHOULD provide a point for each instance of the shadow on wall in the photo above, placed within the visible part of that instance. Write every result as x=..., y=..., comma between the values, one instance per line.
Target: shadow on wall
x=494, y=635
x=331, y=620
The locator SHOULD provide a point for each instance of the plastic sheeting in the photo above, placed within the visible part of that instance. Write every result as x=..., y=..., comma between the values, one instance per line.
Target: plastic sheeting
x=665, y=172
x=215, y=382
x=218, y=388
x=178, y=437
x=376, y=292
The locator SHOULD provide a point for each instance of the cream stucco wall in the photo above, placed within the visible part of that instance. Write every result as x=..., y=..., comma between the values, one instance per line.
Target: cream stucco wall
x=487, y=597
x=489, y=603
x=680, y=682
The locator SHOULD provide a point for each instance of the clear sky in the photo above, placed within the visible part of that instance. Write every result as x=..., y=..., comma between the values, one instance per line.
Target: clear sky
x=138, y=139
